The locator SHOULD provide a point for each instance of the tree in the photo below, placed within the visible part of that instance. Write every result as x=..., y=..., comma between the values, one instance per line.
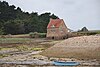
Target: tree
x=14, y=21
x=54, y=16
x=14, y=27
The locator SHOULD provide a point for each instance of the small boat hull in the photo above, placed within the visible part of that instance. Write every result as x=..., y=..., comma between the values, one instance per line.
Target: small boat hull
x=68, y=63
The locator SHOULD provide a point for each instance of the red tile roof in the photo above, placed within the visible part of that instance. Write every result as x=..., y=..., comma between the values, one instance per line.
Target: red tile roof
x=54, y=22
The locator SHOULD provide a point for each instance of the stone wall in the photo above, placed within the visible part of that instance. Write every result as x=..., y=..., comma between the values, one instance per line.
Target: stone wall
x=58, y=33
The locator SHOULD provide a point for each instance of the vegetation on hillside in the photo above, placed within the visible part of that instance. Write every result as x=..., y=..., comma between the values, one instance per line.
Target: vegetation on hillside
x=14, y=21
x=37, y=35
x=85, y=31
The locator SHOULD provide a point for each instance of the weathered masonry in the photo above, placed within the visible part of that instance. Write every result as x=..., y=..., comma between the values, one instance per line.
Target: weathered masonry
x=57, y=29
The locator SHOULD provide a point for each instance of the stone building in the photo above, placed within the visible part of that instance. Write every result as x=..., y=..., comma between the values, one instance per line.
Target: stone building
x=57, y=29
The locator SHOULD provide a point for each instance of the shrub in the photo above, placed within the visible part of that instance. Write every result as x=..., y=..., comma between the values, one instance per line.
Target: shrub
x=87, y=33
x=32, y=34
x=91, y=33
x=42, y=35
x=37, y=35
x=37, y=49
x=22, y=48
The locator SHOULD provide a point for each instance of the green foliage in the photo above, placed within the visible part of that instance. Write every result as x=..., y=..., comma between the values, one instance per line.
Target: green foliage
x=4, y=55
x=14, y=40
x=31, y=34
x=1, y=32
x=14, y=21
x=87, y=33
x=84, y=31
x=27, y=48
x=14, y=27
x=37, y=49
x=22, y=48
x=42, y=35
x=98, y=31
x=36, y=35
x=91, y=33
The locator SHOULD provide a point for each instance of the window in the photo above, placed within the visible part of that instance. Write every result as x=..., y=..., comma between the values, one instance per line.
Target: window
x=53, y=26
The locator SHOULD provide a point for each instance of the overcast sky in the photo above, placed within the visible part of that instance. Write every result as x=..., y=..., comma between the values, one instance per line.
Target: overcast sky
x=75, y=13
